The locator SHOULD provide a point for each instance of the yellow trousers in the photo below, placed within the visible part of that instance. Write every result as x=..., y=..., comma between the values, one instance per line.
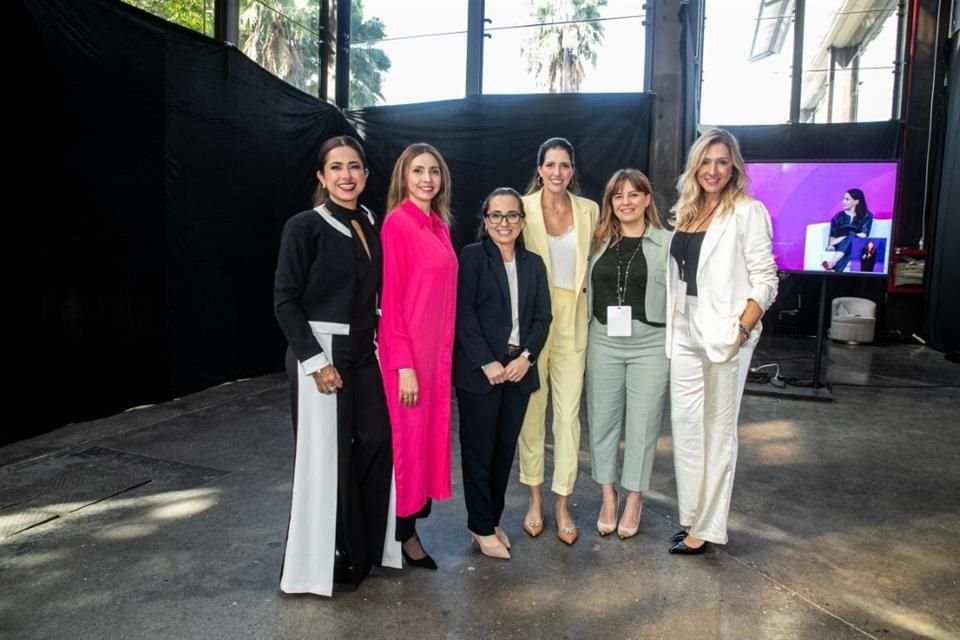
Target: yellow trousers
x=561, y=369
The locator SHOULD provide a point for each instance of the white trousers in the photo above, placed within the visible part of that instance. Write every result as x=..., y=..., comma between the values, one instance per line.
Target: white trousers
x=705, y=404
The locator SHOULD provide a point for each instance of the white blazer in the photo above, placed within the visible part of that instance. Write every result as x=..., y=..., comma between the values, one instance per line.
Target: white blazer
x=736, y=265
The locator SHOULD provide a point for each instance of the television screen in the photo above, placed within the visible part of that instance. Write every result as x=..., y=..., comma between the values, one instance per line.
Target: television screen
x=828, y=217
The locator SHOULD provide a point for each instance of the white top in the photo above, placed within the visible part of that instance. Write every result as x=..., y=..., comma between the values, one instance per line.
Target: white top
x=563, y=260
x=511, y=268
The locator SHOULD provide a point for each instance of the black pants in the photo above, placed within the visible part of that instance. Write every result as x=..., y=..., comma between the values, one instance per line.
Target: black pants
x=845, y=245
x=364, y=461
x=407, y=525
x=489, y=427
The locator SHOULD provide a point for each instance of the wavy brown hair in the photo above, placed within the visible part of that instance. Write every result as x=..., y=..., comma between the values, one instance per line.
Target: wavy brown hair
x=692, y=194
x=397, y=192
x=608, y=226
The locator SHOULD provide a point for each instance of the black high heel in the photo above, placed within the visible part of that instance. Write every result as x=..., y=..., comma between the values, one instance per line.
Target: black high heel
x=426, y=562
x=679, y=536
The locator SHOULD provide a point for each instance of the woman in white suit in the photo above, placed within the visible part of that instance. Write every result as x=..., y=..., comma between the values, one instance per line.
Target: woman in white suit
x=559, y=226
x=722, y=278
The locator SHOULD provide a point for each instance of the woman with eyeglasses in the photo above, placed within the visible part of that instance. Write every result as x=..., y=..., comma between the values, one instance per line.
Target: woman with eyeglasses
x=503, y=314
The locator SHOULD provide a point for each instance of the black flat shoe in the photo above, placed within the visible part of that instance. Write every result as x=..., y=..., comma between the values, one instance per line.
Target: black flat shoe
x=678, y=536
x=426, y=562
x=682, y=549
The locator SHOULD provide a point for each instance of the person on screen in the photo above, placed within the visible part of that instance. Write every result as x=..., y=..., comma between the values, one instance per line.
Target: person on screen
x=721, y=278
x=854, y=220
x=868, y=257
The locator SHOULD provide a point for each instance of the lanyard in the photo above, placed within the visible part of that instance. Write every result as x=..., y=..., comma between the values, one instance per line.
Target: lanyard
x=622, y=286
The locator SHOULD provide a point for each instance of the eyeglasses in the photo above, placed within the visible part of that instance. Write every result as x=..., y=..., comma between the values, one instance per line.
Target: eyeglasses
x=512, y=217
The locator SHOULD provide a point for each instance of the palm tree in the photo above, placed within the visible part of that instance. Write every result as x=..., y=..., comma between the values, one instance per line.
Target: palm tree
x=283, y=39
x=367, y=63
x=569, y=35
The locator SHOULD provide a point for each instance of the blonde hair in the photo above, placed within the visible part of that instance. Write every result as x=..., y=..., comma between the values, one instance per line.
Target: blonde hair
x=397, y=192
x=691, y=193
x=608, y=226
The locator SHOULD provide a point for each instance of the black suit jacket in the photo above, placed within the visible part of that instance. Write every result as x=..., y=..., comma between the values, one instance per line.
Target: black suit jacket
x=484, y=317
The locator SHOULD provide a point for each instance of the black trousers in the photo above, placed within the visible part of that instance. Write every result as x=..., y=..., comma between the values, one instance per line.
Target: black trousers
x=407, y=525
x=364, y=460
x=489, y=427
x=845, y=245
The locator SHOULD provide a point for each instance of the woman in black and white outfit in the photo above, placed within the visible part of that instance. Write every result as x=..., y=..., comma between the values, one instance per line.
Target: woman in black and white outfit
x=722, y=278
x=326, y=297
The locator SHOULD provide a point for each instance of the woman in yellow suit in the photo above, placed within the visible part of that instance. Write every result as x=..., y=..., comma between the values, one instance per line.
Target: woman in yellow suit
x=559, y=226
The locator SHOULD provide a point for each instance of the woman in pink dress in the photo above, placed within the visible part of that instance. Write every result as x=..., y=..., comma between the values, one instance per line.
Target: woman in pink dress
x=416, y=336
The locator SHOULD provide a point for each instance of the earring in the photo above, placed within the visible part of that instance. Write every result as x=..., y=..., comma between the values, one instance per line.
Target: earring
x=539, y=180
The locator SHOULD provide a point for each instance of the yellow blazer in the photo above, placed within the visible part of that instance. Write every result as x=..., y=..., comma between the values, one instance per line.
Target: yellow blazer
x=585, y=213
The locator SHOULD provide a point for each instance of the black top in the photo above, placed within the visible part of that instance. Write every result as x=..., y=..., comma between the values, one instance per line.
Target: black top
x=685, y=249
x=630, y=278
x=323, y=274
x=363, y=315
x=843, y=225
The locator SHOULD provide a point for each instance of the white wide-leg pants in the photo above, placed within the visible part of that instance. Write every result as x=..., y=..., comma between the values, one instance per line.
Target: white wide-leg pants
x=705, y=404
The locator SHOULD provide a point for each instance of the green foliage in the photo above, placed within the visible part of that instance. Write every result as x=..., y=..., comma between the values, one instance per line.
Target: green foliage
x=284, y=38
x=367, y=63
x=193, y=14
x=556, y=52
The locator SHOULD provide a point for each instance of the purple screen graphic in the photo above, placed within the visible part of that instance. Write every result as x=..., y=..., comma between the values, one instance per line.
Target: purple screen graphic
x=802, y=197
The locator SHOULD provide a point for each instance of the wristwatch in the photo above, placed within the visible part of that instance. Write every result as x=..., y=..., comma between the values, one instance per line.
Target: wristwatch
x=529, y=356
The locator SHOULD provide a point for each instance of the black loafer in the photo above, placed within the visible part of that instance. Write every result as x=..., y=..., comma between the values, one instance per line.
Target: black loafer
x=678, y=536
x=682, y=549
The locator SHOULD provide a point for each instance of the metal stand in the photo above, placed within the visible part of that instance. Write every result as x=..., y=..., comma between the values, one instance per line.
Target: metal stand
x=816, y=390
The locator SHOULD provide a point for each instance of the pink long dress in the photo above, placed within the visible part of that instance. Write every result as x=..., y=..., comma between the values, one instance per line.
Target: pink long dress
x=416, y=331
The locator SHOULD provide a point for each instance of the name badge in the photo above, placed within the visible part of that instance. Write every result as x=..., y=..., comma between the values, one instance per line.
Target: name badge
x=619, y=321
x=680, y=303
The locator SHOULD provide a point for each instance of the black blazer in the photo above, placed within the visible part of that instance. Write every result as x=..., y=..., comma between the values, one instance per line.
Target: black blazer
x=484, y=317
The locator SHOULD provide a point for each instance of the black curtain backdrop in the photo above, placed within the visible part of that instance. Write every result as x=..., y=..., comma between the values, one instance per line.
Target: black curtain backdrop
x=943, y=261
x=492, y=141
x=162, y=166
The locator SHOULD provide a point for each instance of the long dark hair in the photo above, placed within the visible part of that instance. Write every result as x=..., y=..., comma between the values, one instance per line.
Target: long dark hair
x=485, y=207
x=320, y=194
x=861, y=209
x=554, y=143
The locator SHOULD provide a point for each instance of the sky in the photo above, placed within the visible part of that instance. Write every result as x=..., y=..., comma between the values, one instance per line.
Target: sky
x=434, y=68
x=734, y=91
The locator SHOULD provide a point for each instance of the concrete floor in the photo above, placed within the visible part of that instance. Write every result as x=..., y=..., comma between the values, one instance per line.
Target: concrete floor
x=169, y=521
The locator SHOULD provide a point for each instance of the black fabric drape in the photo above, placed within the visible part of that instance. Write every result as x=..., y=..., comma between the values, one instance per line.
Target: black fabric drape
x=162, y=165
x=838, y=141
x=492, y=141
x=943, y=261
